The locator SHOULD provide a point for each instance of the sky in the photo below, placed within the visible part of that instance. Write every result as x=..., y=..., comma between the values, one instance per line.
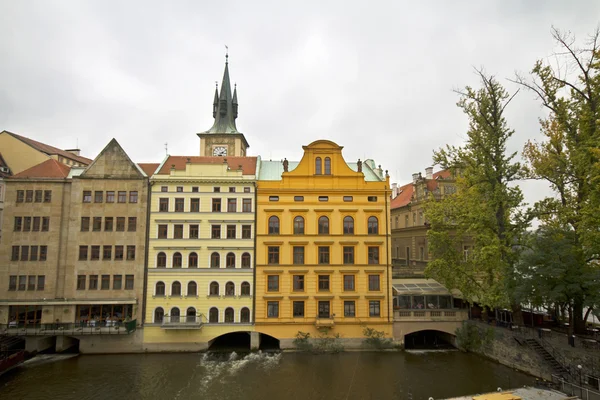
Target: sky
x=375, y=77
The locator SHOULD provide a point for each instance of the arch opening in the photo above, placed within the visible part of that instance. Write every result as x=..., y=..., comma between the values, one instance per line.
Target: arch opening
x=429, y=340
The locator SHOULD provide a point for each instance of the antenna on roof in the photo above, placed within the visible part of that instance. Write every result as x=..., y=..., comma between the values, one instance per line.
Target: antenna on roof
x=166, y=148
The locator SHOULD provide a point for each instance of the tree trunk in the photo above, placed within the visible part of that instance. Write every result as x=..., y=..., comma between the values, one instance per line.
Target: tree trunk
x=517, y=314
x=578, y=321
x=587, y=314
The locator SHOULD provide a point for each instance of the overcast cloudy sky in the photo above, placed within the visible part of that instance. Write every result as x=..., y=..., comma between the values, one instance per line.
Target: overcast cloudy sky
x=376, y=77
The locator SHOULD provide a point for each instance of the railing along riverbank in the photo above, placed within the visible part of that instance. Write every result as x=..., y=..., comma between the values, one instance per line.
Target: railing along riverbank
x=70, y=329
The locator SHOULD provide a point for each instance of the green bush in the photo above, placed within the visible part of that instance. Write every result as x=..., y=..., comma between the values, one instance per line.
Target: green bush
x=470, y=338
x=328, y=344
x=302, y=341
x=376, y=339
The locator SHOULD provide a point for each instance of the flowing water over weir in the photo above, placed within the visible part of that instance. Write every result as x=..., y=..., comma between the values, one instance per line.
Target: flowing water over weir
x=418, y=374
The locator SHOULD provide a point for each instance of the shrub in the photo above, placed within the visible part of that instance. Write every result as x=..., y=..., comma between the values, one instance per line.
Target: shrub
x=376, y=339
x=302, y=341
x=469, y=338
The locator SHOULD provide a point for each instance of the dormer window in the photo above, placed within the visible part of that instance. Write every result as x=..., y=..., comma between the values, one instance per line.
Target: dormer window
x=318, y=166
x=327, y=166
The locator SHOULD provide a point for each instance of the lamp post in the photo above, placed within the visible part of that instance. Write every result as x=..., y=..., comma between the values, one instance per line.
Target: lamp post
x=580, y=385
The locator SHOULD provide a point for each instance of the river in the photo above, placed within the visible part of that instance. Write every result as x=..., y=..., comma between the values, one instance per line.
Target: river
x=289, y=376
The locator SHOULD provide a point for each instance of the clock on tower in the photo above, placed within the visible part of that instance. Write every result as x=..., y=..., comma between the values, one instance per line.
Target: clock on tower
x=220, y=151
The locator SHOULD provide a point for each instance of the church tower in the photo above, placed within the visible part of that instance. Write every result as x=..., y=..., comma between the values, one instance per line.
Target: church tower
x=223, y=139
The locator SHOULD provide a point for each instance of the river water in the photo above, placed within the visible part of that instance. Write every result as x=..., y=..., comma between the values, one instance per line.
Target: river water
x=289, y=376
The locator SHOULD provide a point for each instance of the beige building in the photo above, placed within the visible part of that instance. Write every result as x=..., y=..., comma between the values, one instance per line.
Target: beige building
x=4, y=173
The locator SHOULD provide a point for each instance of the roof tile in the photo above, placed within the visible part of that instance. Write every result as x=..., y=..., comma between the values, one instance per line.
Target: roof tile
x=47, y=169
x=248, y=163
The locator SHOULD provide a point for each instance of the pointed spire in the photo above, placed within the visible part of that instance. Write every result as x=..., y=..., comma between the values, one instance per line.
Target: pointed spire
x=224, y=111
x=216, y=100
x=234, y=101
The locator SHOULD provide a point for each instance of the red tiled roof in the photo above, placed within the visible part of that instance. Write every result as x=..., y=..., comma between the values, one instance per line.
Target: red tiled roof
x=45, y=148
x=3, y=164
x=148, y=168
x=47, y=169
x=405, y=192
x=248, y=163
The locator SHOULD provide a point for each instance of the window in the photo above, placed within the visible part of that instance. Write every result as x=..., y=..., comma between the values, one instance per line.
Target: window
x=298, y=307
x=230, y=231
x=161, y=260
x=214, y=289
x=85, y=224
x=18, y=224
x=215, y=260
x=108, y=224
x=159, y=315
x=122, y=197
x=20, y=196
x=348, y=255
x=15, y=253
x=120, y=224
x=45, y=224
x=230, y=260
x=178, y=231
x=98, y=196
x=374, y=310
x=43, y=253
x=163, y=205
x=422, y=251
x=373, y=254
x=162, y=231
x=407, y=254
x=193, y=233
x=87, y=196
x=246, y=260
x=273, y=225
x=107, y=252
x=298, y=255
x=298, y=283
x=232, y=190
x=97, y=224
x=38, y=196
x=246, y=231
x=229, y=315
x=132, y=224
x=323, y=198
x=194, y=189
x=81, y=282
x=298, y=225
x=193, y=260
x=194, y=205
x=179, y=189
x=323, y=225
x=95, y=253
x=323, y=283
x=373, y=226
x=406, y=221
x=83, y=253
x=105, y=283
x=215, y=232
x=272, y=283
x=133, y=197
x=273, y=198
x=29, y=196
x=128, y=282
x=164, y=189
x=327, y=166
x=41, y=282
x=246, y=205
x=229, y=289
x=93, y=282
x=176, y=289
x=192, y=289
x=217, y=189
x=216, y=205
x=33, y=255
x=273, y=254
x=348, y=198
x=298, y=198
x=177, y=260
x=323, y=254
x=24, y=253
x=26, y=224
x=110, y=196
x=349, y=308
x=247, y=189
x=349, y=283
x=324, y=309
x=231, y=205
x=372, y=199
x=348, y=225
x=118, y=253
x=374, y=283
x=272, y=309
x=175, y=315
x=117, y=282
x=318, y=166
x=31, y=282
x=245, y=315
x=213, y=315
x=23, y=282
x=130, y=253
x=179, y=205
x=36, y=224
x=245, y=289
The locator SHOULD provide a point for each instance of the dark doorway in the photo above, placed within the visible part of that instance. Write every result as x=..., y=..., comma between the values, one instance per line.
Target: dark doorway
x=429, y=340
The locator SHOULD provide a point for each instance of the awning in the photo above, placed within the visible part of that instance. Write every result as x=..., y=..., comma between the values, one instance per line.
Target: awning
x=418, y=287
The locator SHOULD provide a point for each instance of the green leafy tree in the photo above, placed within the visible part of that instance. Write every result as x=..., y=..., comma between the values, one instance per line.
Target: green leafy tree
x=569, y=156
x=484, y=209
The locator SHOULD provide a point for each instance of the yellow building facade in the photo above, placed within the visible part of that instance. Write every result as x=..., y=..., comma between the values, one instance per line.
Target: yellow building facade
x=323, y=262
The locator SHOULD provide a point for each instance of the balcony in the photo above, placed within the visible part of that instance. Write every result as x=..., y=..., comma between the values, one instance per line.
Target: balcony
x=186, y=322
x=448, y=315
x=92, y=327
x=324, y=321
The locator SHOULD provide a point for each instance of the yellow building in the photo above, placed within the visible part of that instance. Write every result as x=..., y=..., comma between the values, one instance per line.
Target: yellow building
x=323, y=247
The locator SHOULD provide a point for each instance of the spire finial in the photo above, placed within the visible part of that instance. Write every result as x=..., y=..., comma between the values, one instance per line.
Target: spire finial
x=226, y=54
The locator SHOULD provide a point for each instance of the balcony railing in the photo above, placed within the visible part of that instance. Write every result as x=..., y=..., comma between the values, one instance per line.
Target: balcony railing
x=183, y=322
x=104, y=327
x=324, y=321
x=449, y=315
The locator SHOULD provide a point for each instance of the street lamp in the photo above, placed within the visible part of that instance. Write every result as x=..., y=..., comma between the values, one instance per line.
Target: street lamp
x=580, y=385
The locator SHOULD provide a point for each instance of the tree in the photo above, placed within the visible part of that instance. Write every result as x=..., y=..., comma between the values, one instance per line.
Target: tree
x=569, y=156
x=484, y=209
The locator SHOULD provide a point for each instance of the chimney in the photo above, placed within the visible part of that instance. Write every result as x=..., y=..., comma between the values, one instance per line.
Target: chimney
x=74, y=151
x=429, y=172
x=415, y=176
x=394, y=190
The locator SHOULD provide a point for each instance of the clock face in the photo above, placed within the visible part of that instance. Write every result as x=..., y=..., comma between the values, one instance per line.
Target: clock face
x=219, y=151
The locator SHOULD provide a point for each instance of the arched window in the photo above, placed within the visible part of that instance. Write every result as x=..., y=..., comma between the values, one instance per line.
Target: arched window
x=192, y=289
x=245, y=315
x=246, y=260
x=177, y=260
x=193, y=260
x=159, y=314
x=298, y=225
x=214, y=289
x=373, y=226
x=327, y=166
x=215, y=260
x=176, y=289
x=175, y=314
x=213, y=315
x=161, y=260
x=273, y=225
x=230, y=260
x=245, y=289
x=160, y=289
x=318, y=169
x=323, y=225
x=190, y=314
x=229, y=315
x=348, y=225
x=229, y=289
